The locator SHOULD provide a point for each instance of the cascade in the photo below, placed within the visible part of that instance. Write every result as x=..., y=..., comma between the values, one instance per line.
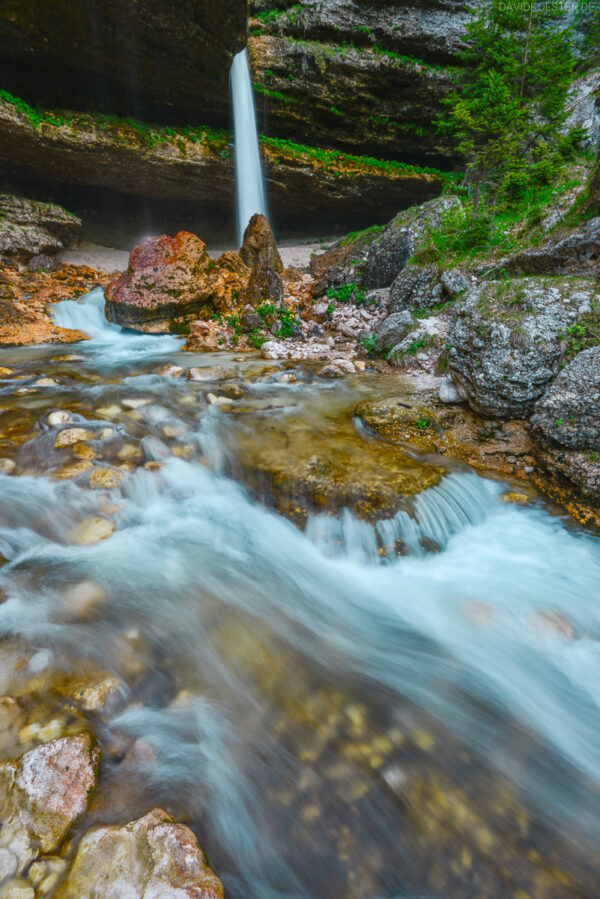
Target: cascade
x=250, y=191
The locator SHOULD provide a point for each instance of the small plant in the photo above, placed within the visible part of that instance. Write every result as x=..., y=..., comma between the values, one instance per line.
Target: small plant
x=257, y=340
x=422, y=423
x=347, y=293
x=369, y=344
x=560, y=422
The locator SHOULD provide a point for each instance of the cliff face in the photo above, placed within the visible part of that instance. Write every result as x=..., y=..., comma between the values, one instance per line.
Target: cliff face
x=188, y=174
x=158, y=60
x=365, y=77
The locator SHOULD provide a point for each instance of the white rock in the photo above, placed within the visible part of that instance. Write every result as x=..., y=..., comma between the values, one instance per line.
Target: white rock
x=345, y=365
x=45, y=382
x=7, y=466
x=59, y=417
x=135, y=402
x=448, y=392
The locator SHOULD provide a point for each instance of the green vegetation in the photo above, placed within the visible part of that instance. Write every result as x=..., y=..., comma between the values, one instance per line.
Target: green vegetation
x=123, y=128
x=507, y=116
x=347, y=293
x=353, y=236
x=345, y=163
x=369, y=344
x=582, y=334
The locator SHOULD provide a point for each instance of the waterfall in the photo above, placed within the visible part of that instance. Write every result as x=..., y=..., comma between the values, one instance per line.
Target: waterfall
x=250, y=189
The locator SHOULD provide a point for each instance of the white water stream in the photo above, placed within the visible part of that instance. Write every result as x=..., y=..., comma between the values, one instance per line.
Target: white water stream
x=250, y=189
x=330, y=695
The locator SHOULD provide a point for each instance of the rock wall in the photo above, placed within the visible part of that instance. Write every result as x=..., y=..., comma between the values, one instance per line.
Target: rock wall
x=188, y=175
x=365, y=77
x=159, y=60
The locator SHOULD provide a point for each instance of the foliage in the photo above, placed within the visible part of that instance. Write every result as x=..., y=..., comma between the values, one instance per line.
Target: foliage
x=353, y=236
x=270, y=313
x=369, y=344
x=347, y=293
x=508, y=109
x=582, y=334
x=588, y=22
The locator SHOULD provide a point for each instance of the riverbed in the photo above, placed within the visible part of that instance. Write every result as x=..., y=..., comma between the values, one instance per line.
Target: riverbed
x=340, y=704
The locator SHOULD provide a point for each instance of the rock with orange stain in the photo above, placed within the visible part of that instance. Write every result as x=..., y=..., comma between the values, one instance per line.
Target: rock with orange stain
x=153, y=856
x=43, y=794
x=172, y=281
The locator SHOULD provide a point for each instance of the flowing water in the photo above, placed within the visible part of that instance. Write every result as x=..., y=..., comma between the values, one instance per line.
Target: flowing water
x=250, y=191
x=332, y=718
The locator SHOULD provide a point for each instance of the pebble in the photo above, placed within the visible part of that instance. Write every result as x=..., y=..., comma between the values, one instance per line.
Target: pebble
x=171, y=371
x=135, y=402
x=70, y=436
x=45, y=382
x=173, y=431
x=210, y=373
x=59, y=417
x=91, y=530
x=71, y=470
x=108, y=411
x=5, y=372
x=513, y=497
x=7, y=466
x=128, y=452
x=218, y=400
x=105, y=477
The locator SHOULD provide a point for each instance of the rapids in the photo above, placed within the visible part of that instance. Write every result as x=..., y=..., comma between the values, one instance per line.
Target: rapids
x=334, y=719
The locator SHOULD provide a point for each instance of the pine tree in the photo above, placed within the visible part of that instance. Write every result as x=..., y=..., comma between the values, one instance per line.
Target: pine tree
x=507, y=111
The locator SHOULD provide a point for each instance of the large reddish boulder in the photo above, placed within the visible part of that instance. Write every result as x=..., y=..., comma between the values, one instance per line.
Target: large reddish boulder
x=172, y=281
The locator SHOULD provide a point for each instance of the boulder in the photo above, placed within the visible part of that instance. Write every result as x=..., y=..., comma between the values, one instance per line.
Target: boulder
x=29, y=228
x=506, y=341
x=416, y=288
x=153, y=856
x=390, y=252
x=44, y=263
x=258, y=247
x=43, y=794
x=172, y=281
x=265, y=285
x=394, y=328
x=566, y=423
x=577, y=253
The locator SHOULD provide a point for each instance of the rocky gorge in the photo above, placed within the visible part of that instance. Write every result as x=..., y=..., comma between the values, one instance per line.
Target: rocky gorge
x=299, y=548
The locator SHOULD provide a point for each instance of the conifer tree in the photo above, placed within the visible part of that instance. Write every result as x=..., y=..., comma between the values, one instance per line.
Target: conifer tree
x=507, y=111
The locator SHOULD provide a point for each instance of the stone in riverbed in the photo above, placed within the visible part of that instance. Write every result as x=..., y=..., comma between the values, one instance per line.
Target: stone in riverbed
x=210, y=373
x=153, y=857
x=43, y=794
x=70, y=436
x=171, y=281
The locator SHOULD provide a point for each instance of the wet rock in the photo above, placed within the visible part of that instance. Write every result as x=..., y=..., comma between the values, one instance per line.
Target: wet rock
x=211, y=373
x=258, y=247
x=91, y=530
x=153, y=856
x=7, y=466
x=506, y=341
x=170, y=371
x=59, y=417
x=331, y=371
x=394, y=328
x=566, y=424
x=46, y=874
x=172, y=281
x=107, y=478
x=43, y=794
x=70, y=436
x=81, y=602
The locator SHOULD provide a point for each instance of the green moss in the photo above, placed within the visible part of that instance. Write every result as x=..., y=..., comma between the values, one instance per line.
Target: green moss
x=353, y=236
x=347, y=293
x=343, y=162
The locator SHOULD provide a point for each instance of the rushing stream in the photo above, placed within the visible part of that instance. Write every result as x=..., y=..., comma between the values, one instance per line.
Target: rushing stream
x=334, y=720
